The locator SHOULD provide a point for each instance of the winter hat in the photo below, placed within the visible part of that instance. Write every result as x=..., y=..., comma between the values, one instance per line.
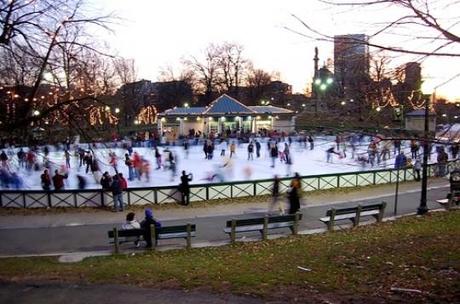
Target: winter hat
x=148, y=213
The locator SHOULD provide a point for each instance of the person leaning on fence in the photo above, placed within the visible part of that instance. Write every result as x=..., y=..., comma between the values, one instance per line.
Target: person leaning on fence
x=145, y=224
x=117, y=193
x=45, y=180
x=184, y=188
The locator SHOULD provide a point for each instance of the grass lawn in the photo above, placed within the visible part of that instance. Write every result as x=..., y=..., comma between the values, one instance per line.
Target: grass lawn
x=359, y=265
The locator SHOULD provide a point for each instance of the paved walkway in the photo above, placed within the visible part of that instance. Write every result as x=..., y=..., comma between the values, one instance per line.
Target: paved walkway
x=72, y=217
x=76, y=231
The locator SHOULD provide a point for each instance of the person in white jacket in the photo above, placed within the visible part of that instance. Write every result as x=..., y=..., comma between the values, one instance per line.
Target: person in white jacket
x=132, y=223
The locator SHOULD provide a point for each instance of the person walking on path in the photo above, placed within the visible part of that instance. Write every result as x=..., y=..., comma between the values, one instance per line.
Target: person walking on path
x=117, y=194
x=275, y=196
x=145, y=224
x=294, y=194
x=184, y=188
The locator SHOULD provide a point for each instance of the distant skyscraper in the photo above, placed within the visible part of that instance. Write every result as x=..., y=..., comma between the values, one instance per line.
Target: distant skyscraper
x=351, y=62
x=413, y=76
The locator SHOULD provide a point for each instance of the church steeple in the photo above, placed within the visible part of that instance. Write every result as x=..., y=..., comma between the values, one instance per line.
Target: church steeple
x=315, y=60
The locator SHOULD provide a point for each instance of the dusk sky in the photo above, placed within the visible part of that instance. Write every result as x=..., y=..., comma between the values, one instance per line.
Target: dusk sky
x=159, y=33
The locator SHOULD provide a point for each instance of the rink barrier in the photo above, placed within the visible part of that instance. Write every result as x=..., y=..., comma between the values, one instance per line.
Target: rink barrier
x=201, y=192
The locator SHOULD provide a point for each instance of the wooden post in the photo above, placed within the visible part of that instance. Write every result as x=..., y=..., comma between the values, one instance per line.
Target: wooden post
x=264, y=231
x=233, y=232
x=358, y=216
x=116, y=244
x=296, y=224
x=330, y=224
x=189, y=236
x=382, y=212
x=153, y=237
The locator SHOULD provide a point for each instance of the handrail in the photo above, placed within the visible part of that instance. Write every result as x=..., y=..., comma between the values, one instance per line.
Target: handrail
x=198, y=192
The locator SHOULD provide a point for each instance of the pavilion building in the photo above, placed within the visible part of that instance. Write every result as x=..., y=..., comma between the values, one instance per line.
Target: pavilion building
x=225, y=114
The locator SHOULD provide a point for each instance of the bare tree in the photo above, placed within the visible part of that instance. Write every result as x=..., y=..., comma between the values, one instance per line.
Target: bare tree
x=233, y=66
x=46, y=43
x=206, y=71
x=422, y=20
x=257, y=81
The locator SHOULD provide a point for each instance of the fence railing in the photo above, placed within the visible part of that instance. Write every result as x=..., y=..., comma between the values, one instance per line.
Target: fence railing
x=200, y=192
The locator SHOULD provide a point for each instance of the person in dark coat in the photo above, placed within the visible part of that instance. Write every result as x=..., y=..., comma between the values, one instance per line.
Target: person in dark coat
x=117, y=193
x=145, y=224
x=81, y=181
x=294, y=194
x=184, y=188
x=45, y=180
x=106, y=181
x=273, y=154
x=258, y=146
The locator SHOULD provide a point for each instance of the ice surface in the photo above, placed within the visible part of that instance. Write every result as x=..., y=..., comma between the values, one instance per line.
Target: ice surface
x=305, y=161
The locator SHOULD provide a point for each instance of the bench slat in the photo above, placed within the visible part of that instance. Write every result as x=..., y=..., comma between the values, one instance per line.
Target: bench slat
x=165, y=232
x=349, y=216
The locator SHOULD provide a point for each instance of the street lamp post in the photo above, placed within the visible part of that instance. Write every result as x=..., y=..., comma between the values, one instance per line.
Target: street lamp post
x=422, y=209
x=322, y=84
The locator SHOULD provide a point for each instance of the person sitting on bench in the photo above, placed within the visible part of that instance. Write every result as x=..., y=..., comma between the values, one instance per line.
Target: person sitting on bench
x=145, y=224
x=132, y=223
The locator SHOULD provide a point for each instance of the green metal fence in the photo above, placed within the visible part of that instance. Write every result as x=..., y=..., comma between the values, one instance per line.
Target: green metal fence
x=201, y=192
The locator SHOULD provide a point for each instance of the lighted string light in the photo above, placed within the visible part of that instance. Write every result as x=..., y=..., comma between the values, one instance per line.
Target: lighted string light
x=147, y=115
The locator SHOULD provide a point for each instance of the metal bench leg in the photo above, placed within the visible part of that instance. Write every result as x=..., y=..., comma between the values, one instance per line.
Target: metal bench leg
x=382, y=212
x=116, y=243
x=295, y=229
x=330, y=224
x=153, y=236
x=358, y=216
x=233, y=232
x=189, y=236
x=264, y=231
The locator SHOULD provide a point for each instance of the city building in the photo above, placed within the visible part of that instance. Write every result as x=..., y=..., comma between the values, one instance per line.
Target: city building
x=225, y=115
x=351, y=63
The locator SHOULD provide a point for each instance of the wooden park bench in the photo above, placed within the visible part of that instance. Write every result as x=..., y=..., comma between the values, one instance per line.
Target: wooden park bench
x=263, y=224
x=120, y=236
x=354, y=214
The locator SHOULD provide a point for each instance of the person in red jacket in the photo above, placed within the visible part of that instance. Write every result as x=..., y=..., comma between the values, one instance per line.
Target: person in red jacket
x=122, y=181
x=58, y=180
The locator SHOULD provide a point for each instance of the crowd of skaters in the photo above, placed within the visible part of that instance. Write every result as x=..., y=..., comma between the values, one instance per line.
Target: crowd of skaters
x=278, y=145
